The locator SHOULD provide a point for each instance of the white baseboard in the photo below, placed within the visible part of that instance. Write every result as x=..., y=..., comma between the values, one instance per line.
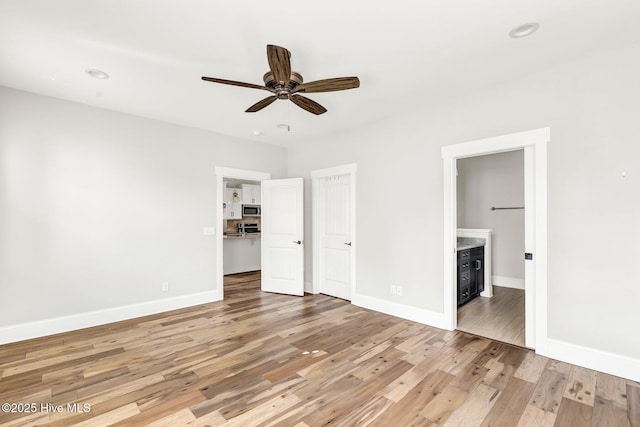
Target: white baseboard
x=41, y=328
x=507, y=282
x=599, y=360
x=420, y=315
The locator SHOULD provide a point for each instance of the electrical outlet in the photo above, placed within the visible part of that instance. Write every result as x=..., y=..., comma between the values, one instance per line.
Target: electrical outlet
x=399, y=291
x=394, y=290
x=165, y=286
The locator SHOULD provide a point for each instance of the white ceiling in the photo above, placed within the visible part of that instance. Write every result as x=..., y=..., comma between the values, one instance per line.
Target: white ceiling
x=408, y=54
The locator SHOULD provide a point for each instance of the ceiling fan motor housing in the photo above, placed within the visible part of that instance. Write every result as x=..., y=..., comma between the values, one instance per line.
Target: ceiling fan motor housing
x=282, y=92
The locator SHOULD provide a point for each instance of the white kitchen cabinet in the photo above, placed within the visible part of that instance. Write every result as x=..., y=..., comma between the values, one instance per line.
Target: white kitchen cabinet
x=233, y=195
x=232, y=210
x=250, y=194
x=241, y=255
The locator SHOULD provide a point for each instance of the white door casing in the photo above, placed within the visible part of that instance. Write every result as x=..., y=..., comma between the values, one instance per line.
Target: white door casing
x=531, y=288
x=334, y=243
x=282, y=236
x=534, y=143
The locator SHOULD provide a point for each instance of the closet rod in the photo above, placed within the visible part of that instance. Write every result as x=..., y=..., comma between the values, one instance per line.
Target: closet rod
x=493, y=208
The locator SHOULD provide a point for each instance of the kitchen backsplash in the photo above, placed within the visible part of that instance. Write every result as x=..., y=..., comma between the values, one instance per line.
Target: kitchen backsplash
x=232, y=224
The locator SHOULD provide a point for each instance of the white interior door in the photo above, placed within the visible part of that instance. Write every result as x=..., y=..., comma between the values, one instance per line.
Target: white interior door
x=336, y=242
x=283, y=236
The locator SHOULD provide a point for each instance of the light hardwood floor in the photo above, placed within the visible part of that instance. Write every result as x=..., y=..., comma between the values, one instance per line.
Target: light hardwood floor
x=500, y=317
x=266, y=359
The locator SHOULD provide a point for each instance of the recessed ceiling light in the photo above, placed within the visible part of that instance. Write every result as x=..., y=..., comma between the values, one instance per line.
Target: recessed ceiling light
x=98, y=74
x=257, y=132
x=524, y=30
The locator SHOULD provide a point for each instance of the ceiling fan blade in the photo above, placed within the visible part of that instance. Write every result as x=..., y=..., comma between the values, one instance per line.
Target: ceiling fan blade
x=307, y=104
x=234, y=83
x=261, y=104
x=329, y=85
x=279, y=63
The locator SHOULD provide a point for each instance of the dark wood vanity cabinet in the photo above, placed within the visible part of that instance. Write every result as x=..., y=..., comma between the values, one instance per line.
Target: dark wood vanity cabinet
x=470, y=273
x=464, y=275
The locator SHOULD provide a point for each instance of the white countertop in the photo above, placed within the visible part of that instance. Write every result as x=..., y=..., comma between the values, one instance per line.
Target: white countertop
x=469, y=242
x=242, y=236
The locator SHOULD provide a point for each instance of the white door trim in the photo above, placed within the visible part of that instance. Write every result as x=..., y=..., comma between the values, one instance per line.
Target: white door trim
x=221, y=174
x=317, y=220
x=534, y=143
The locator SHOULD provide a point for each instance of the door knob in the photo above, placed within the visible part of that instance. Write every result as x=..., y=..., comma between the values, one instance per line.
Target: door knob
x=348, y=243
x=299, y=242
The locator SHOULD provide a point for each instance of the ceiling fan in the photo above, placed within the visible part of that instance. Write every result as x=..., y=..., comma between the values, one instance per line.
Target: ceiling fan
x=286, y=84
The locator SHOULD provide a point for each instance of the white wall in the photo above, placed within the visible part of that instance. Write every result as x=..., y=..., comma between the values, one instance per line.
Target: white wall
x=591, y=106
x=488, y=181
x=98, y=208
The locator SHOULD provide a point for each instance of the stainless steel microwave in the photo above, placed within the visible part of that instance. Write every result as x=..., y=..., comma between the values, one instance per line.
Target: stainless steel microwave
x=250, y=210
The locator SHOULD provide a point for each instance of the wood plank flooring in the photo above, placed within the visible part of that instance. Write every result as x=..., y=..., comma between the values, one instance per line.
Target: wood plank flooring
x=500, y=317
x=258, y=359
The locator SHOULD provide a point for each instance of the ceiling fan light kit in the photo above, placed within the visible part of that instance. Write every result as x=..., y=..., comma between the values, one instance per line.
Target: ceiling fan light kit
x=286, y=84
